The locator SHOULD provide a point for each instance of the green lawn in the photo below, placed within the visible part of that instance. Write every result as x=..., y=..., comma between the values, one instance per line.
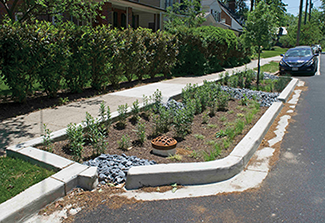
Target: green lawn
x=17, y=175
x=272, y=53
x=271, y=67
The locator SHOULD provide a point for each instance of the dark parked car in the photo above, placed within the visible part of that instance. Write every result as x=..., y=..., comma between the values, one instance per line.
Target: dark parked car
x=299, y=60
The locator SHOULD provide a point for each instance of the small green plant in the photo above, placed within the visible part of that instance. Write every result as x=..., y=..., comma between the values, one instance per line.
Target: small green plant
x=135, y=109
x=230, y=132
x=239, y=126
x=183, y=122
x=231, y=112
x=226, y=143
x=157, y=99
x=212, y=126
x=240, y=115
x=194, y=154
x=76, y=140
x=210, y=142
x=199, y=136
x=221, y=134
x=175, y=157
x=146, y=106
x=141, y=132
x=244, y=100
x=223, y=118
x=47, y=141
x=104, y=117
x=161, y=121
x=122, y=112
x=63, y=101
x=249, y=117
x=205, y=118
x=222, y=101
x=125, y=142
x=213, y=154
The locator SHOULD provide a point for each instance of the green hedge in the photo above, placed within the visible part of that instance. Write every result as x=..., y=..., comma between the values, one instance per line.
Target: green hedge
x=72, y=57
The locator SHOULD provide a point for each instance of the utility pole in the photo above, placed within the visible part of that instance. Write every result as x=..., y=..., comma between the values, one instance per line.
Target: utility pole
x=306, y=10
x=310, y=6
x=299, y=22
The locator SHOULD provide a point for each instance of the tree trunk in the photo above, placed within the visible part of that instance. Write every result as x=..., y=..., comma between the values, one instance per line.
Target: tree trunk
x=252, y=5
x=258, y=68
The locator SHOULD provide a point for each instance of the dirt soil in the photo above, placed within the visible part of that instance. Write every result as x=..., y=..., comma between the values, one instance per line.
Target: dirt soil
x=189, y=149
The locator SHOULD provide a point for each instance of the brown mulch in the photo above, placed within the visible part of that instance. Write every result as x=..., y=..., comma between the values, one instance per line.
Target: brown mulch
x=189, y=149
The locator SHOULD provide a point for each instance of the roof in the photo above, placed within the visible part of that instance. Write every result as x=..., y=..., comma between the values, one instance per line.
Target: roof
x=230, y=12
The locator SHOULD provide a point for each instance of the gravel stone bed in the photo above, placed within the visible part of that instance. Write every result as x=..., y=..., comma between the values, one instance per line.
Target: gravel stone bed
x=265, y=99
x=114, y=168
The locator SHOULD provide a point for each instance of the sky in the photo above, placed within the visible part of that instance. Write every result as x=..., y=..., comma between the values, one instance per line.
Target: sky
x=293, y=5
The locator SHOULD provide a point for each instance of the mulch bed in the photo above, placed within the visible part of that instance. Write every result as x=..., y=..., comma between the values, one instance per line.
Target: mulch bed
x=190, y=148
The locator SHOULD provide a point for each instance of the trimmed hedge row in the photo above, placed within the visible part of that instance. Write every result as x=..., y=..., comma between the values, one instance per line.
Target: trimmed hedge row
x=72, y=57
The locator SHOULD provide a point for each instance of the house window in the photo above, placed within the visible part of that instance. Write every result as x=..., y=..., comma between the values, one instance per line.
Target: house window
x=123, y=20
x=115, y=19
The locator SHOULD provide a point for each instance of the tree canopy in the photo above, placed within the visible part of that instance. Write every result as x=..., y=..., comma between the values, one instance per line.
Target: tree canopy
x=259, y=29
x=30, y=9
x=185, y=14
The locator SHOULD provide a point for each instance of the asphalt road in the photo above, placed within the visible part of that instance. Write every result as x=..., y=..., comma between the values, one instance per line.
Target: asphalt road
x=294, y=190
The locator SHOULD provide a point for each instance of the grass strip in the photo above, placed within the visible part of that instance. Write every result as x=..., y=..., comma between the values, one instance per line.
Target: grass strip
x=17, y=175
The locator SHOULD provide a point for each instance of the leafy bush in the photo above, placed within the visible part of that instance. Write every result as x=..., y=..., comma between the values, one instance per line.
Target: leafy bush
x=125, y=143
x=76, y=140
x=78, y=73
x=141, y=132
x=122, y=112
x=20, y=57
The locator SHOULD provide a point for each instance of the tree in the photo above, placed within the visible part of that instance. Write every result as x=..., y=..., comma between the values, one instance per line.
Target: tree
x=187, y=14
x=30, y=9
x=259, y=29
x=278, y=9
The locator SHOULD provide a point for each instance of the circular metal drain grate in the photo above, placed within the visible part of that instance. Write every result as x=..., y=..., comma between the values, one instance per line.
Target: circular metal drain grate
x=163, y=143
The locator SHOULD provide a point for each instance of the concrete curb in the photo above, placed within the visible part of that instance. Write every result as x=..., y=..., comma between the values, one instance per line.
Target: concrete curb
x=205, y=172
x=73, y=174
x=285, y=94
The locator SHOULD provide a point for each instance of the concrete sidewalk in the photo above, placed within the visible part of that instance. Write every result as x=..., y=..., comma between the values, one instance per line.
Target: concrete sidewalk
x=26, y=127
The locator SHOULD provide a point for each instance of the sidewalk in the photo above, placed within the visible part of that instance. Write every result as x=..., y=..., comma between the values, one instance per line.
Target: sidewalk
x=25, y=127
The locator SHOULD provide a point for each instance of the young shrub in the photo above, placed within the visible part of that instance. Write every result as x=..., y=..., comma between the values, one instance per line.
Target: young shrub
x=141, y=132
x=205, y=118
x=244, y=100
x=47, y=141
x=95, y=134
x=135, y=110
x=125, y=142
x=76, y=140
x=122, y=112
x=222, y=101
x=183, y=122
x=146, y=107
x=226, y=78
x=161, y=121
x=157, y=99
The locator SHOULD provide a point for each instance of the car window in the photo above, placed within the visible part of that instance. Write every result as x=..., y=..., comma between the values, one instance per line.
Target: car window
x=299, y=53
